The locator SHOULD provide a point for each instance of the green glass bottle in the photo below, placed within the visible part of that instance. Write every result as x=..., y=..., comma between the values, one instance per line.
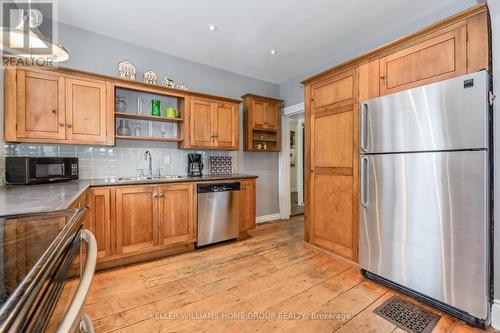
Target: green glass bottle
x=155, y=107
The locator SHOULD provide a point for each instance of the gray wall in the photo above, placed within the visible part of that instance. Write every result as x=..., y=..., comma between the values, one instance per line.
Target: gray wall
x=100, y=54
x=293, y=92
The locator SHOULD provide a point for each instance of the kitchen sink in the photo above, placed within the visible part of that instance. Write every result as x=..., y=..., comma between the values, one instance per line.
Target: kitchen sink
x=148, y=178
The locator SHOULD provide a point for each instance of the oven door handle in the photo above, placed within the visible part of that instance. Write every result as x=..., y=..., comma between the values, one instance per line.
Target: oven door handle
x=74, y=314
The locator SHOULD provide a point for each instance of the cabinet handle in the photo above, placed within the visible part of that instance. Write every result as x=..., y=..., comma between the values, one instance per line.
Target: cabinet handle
x=61, y=124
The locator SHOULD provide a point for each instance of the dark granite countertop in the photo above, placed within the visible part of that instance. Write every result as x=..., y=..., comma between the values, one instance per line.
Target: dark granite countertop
x=44, y=198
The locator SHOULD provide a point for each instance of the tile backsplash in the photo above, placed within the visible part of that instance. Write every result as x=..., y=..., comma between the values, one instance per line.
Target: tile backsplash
x=123, y=160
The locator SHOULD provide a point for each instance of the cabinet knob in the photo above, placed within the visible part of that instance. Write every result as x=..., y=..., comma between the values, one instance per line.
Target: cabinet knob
x=69, y=125
x=61, y=124
x=53, y=111
x=382, y=77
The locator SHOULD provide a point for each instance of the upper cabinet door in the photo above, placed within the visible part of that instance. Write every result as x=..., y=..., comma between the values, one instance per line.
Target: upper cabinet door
x=86, y=111
x=272, y=116
x=438, y=58
x=201, y=123
x=258, y=113
x=226, y=125
x=40, y=106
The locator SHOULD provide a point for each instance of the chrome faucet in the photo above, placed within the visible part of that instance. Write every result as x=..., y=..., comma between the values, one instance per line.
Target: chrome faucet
x=147, y=157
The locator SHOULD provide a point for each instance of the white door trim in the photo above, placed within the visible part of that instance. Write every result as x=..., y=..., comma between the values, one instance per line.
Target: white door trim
x=284, y=160
x=284, y=170
x=294, y=109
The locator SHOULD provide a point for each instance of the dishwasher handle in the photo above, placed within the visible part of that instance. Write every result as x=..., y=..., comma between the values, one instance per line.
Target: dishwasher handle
x=219, y=187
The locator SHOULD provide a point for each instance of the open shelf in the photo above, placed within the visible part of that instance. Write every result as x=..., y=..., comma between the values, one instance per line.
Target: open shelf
x=147, y=138
x=149, y=118
x=271, y=130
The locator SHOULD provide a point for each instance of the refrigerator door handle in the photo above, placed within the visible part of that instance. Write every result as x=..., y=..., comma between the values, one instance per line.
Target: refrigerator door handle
x=364, y=181
x=363, y=128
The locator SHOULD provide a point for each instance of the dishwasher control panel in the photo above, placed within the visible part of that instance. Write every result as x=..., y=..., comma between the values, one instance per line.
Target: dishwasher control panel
x=222, y=187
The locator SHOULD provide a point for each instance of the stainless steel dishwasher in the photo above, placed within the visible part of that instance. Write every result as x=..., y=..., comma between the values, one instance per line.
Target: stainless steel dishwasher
x=218, y=212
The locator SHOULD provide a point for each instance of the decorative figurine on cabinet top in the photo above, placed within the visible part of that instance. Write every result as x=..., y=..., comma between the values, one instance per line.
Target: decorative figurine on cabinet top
x=126, y=70
x=168, y=82
x=150, y=77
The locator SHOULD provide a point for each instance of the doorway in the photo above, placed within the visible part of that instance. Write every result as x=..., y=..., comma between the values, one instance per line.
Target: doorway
x=296, y=136
x=291, y=162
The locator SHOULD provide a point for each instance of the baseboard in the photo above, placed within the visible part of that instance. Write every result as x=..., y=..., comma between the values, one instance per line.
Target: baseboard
x=267, y=218
x=495, y=314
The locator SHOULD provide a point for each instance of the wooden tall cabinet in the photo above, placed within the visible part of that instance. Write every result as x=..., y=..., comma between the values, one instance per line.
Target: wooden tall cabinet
x=54, y=107
x=261, y=123
x=453, y=47
x=211, y=124
x=332, y=163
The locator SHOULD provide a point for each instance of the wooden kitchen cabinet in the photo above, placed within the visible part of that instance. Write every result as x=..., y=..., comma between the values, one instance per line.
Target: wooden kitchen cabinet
x=177, y=214
x=40, y=105
x=332, y=194
x=99, y=221
x=136, y=214
x=132, y=223
x=226, y=125
x=211, y=124
x=435, y=59
x=53, y=107
x=247, y=205
x=262, y=123
x=150, y=217
x=453, y=47
x=201, y=123
x=86, y=111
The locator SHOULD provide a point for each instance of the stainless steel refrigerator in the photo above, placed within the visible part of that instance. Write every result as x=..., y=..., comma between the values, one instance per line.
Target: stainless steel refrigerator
x=425, y=194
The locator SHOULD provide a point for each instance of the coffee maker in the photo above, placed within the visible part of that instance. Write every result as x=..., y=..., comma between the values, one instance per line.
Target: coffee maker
x=195, y=165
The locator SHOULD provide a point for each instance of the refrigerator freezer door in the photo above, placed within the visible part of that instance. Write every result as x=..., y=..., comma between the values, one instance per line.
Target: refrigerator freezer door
x=447, y=115
x=424, y=224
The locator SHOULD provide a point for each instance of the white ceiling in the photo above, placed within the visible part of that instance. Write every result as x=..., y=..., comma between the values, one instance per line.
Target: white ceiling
x=306, y=33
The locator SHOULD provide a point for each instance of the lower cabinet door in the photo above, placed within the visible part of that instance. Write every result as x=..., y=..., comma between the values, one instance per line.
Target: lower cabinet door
x=247, y=205
x=136, y=209
x=99, y=220
x=332, y=198
x=176, y=214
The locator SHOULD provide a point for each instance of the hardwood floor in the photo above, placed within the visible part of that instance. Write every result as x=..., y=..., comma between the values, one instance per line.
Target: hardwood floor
x=295, y=208
x=268, y=283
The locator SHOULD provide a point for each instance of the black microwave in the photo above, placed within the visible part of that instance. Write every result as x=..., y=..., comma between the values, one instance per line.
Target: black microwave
x=40, y=170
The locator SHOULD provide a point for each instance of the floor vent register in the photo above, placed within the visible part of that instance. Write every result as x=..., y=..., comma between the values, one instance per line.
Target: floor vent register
x=407, y=316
